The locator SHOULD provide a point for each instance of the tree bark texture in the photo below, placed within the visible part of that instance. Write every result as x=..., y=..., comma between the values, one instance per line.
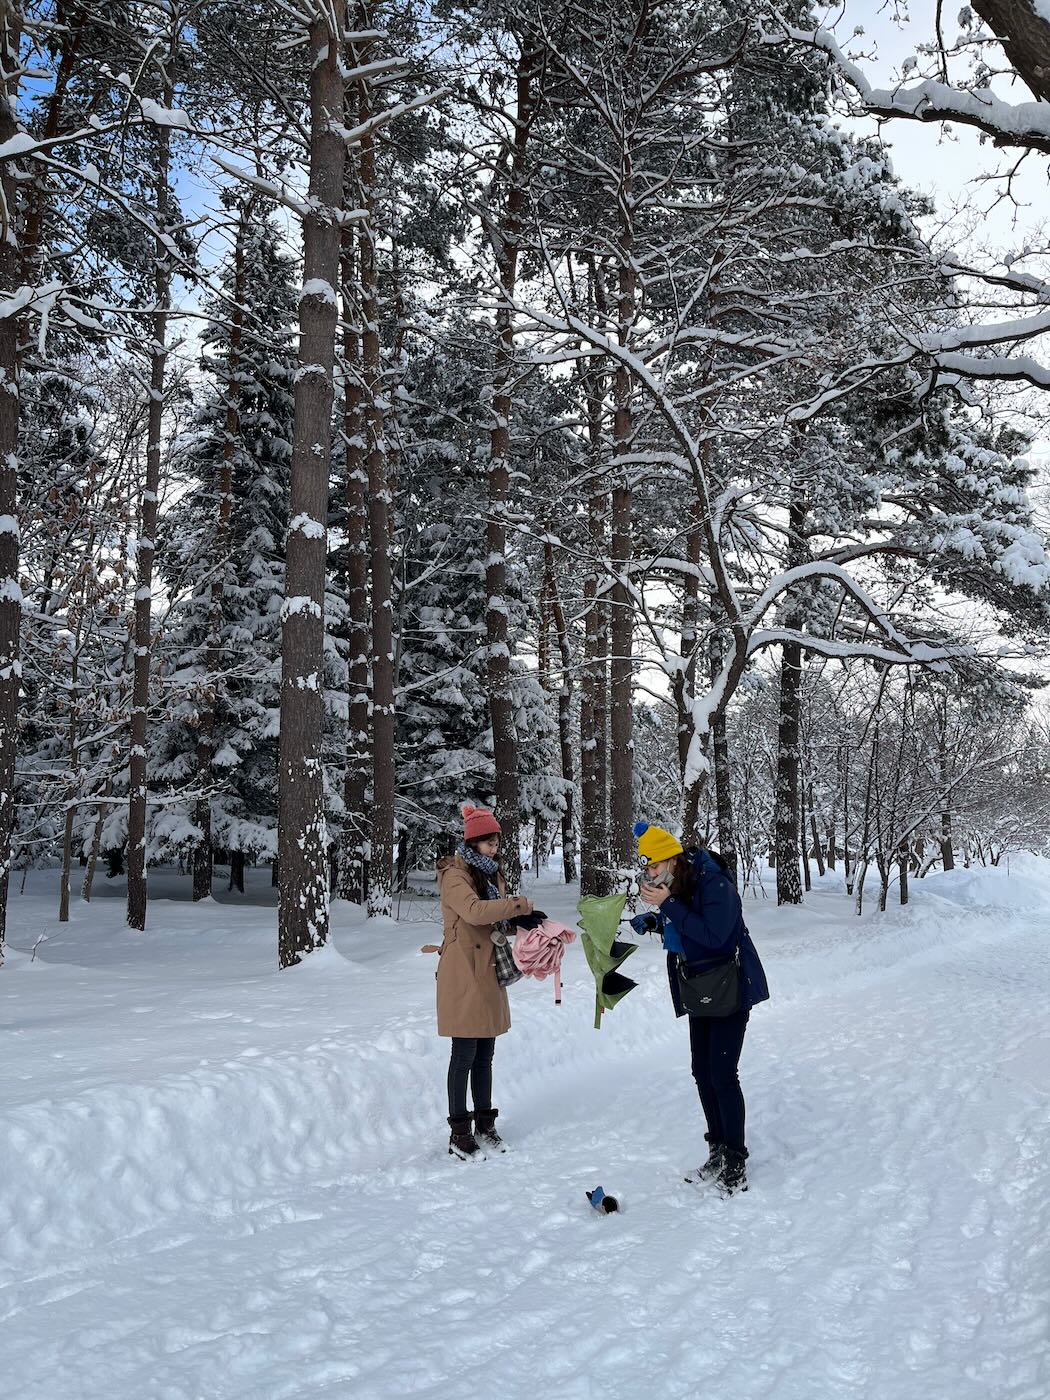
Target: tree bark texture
x=1024, y=32
x=903, y=859
x=354, y=837
x=621, y=668
x=594, y=782
x=96, y=845
x=381, y=843
x=947, y=848
x=74, y=765
x=786, y=839
x=568, y=821
x=146, y=548
x=786, y=817
x=818, y=850
x=685, y=683
x=501, y=701
x=727, y=846
x=10, y=591
x=302, y=839
x=594, y=686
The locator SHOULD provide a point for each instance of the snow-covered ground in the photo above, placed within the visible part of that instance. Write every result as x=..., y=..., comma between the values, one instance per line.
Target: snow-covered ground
x=219, y=1180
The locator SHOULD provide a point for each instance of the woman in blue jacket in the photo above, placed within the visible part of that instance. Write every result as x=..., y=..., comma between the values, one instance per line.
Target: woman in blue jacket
x=703, y=927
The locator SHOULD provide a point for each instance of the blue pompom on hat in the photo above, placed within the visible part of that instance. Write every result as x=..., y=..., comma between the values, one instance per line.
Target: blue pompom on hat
x=655, y=844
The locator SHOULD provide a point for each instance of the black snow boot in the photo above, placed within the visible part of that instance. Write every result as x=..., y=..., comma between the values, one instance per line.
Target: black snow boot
x=714, y=1164
x=485, y=1129
x=733, y=1176
x=461, y=1143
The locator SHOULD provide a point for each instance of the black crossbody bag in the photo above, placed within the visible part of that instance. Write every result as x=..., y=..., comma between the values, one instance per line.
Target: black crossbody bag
x=715, y=992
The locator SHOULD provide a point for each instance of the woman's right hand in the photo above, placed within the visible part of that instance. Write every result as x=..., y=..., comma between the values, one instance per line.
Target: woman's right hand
x=654, y=895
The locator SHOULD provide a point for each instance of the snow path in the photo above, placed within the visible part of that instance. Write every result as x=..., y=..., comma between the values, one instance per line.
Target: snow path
x=281, y=1219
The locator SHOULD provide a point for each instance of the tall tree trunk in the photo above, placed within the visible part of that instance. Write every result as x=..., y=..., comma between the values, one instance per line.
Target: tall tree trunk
x=833, y=816
x=146, y=548
x=885, y=869
x=727, y=846
x=381, y=844
x=787, y=835
x=685, y=681
x=594, y=688
x=864, y=844
x=96, y=846
x=67, y=837
x=786, y=839
x=621, y=669
x=543, y=669
x=201, y=859
x=947, y=849
x=237, y=872
x=594, y=784
x=19, y=265
x=74, y=765
x=818, y=852
x=807, y=877
x=943, y=765
x=568, y=820
x=842, y=763
x=302, y=838
x=501, y=701
x=808, y=814
x=10, y=592
x=354, y=838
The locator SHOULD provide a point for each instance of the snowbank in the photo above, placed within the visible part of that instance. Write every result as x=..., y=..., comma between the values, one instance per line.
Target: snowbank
x=227, y=1181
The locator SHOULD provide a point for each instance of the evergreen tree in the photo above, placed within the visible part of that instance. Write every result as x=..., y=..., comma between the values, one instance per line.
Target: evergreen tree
x=243, y=688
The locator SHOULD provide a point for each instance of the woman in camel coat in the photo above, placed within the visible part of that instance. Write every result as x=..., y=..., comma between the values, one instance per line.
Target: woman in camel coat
x=472, y=1008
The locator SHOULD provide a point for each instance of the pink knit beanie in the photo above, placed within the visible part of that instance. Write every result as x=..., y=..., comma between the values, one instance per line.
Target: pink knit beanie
x=477, y=822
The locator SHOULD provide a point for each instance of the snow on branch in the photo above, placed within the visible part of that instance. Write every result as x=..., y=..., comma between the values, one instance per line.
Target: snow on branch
x=1017, y=367
x=1024, y=124
x=273, y=188
x=157, y=115
x=998, y=333
x=354, y=135
x=917, y=653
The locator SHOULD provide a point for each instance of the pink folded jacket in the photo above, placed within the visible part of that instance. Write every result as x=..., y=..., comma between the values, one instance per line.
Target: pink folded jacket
x=538, y=951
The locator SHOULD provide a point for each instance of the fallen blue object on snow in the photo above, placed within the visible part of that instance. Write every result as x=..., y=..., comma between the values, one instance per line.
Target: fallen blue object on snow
x=602, y=1203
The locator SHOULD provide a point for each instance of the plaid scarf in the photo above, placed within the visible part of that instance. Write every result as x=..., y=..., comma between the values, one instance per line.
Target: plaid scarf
x=507, y=970
x=488, y=867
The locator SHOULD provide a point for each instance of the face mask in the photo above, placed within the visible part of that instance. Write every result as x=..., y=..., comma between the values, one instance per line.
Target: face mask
x=662, y=881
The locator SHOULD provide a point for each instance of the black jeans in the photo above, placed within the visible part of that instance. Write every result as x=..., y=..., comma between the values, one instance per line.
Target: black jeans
x=716, y=1042
x=470, y=1059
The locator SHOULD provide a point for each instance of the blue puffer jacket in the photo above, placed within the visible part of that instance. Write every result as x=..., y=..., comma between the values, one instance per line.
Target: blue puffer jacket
x=706, y=930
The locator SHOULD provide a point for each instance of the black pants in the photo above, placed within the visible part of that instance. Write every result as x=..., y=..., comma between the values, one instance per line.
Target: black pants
x=470, y=1059
x=716, y=1042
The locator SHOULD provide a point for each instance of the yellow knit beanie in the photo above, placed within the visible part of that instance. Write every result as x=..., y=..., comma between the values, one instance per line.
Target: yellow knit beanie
x=655, y=844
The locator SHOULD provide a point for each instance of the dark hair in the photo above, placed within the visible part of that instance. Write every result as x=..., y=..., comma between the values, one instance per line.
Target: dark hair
x=682, y=883
x=481, y=883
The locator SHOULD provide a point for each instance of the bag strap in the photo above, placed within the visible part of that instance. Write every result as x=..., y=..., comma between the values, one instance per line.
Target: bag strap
x=683, y=965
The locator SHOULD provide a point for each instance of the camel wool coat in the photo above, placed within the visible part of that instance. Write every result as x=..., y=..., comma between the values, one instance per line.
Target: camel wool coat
x=470, y=1002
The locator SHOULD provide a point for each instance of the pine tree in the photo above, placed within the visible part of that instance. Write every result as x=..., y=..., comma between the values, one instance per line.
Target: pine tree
x=231, y=671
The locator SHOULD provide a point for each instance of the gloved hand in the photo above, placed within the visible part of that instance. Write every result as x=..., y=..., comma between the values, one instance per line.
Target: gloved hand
x=649, y=922
x=532, y=920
